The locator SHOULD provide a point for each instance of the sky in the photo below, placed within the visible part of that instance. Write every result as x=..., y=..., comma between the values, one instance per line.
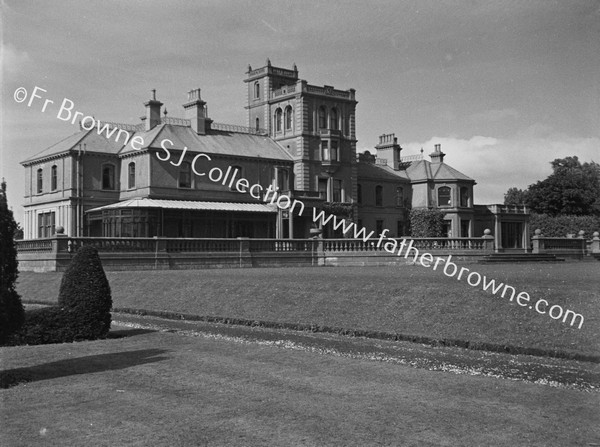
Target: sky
x=504, y=86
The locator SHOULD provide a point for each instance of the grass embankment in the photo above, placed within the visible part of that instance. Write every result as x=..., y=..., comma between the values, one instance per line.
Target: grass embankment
x=165, y=389
x=409, y=300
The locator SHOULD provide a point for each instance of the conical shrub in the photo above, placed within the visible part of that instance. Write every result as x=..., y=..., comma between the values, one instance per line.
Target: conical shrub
x=85, y=296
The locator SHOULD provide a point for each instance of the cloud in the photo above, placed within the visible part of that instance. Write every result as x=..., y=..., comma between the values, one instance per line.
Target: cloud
x=13, y=60
x=497, y=164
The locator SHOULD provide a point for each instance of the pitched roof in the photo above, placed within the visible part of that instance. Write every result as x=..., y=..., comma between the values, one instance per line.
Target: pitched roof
x=380, y=172
x=424, y=170
x=214, y=142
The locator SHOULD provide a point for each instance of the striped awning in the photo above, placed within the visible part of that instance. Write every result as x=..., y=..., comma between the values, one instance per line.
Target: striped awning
x=190, y=205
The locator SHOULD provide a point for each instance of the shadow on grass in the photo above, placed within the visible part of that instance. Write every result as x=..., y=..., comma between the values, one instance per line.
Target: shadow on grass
x=123, y=333
x=80, y=365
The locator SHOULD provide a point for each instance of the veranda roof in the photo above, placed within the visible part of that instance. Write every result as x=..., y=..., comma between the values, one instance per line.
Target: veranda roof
x=190, y=205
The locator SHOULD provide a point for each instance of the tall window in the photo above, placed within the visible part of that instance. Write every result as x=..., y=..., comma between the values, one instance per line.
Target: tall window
x=379, y=226
x=46, y=224
x=54, y=178
x=399, y=196
x=464, y=196
x=337, y=190
x=278, y=120
x=335, y=154
x=131, y=175
x=379, y=195
x=359, y=193
x=108, y=177
x=323, y=188
x=257, y=124
x=185, y=175
x=325, y=155
x=322, y=118
x=444, y=197
x=333, y=119
x=256, y=90
x=40, y=181
x=288, y=118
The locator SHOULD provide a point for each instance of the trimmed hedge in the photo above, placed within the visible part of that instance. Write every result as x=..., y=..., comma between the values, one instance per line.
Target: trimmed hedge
x=44, y=326
x=560, y=226
x=85, y=294
x=426, y=223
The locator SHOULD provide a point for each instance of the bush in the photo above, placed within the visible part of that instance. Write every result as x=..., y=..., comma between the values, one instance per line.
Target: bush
x=11, y=309
x=85, y=296
x=11, y=313
x=426, y=223
x=560, y=226
x=43, y=326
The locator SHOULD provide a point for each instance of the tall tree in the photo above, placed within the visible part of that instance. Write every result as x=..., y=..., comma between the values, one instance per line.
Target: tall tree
x=11, y=308
x=516, y=196
x=572, y=188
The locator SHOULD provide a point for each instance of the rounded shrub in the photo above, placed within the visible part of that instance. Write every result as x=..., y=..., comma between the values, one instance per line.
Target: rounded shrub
x=85, y=296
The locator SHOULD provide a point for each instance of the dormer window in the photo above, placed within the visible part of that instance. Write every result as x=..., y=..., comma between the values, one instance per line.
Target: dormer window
x=185, y=175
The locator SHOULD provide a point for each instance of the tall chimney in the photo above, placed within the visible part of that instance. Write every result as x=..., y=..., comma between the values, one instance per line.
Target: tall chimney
x=152, y=111
x=437, y=156
x=389, y=149
x=195, y=111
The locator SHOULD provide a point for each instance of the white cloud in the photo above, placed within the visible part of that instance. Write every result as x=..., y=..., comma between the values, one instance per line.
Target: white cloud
x=491, y=116
x=498, y=164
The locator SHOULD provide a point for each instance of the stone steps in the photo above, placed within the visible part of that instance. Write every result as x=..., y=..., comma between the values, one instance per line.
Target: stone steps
x=519, y=257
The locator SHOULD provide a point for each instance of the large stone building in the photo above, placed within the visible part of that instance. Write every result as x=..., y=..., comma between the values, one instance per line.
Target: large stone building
x=180, y=177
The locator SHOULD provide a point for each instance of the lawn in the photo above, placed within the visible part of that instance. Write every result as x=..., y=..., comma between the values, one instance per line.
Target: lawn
x=165, y=389
x=409, y=300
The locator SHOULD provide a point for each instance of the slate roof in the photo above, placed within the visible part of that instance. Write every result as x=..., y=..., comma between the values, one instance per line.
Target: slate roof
x=383, y=172
x=215, y=142
x=424, y=170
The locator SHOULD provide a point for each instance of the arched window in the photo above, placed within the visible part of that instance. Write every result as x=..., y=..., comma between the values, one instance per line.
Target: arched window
x=333, y=119
x=444, y=196
x=131, y=175
x=257, y=124
x=399, y=196
x=108, y=177
x=185, y=175
x=288, y=117
x=278, y=120
x=359, y=193
x=379, y=195
x=464, y=196
x=54, y=178
x=40, y=181
x=256, y=90
x=322, y=118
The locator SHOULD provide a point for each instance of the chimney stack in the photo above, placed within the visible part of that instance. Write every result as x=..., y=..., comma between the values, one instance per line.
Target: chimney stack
x=437, y=156
x=389, y=149
x=196, y=112
x=152, y=111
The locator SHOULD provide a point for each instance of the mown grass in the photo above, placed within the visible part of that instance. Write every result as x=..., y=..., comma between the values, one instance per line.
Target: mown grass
x=409, y=299
x=161, y=389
